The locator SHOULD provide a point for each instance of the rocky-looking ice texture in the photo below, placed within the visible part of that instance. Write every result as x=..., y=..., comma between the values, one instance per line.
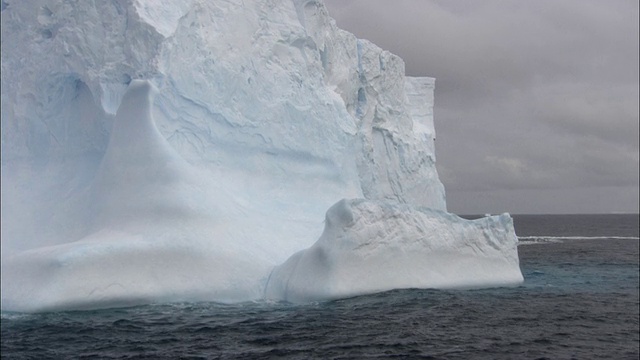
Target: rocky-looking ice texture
x=184, y=150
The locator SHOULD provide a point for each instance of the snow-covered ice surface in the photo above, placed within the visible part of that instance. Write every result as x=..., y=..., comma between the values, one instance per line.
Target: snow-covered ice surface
x=370, y=246
x=185, y=150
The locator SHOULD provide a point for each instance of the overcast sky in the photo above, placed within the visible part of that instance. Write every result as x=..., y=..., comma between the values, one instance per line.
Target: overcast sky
x=536, y=101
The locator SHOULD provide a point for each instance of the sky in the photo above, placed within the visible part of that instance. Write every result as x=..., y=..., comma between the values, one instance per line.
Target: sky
x=536, y=105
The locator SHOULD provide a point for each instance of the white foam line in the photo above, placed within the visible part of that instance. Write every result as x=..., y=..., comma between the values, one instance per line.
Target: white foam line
x=577, y=237
x=530, y=240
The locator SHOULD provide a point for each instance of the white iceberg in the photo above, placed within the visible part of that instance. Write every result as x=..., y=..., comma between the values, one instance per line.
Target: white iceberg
x=186, y=150
x=370, y=246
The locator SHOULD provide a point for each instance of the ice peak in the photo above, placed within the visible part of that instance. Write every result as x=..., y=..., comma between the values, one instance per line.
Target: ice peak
x=162, y=16
x=140, y=170
x=137, y=99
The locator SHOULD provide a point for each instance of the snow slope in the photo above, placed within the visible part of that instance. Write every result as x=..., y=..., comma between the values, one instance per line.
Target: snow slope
x=181, y=150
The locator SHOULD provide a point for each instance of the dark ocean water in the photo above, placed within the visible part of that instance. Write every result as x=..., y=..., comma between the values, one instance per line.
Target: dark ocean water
x=579, y=300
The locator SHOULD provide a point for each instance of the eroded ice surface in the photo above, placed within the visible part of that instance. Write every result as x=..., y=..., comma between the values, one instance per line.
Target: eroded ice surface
x=184, y=150
x=369, y=246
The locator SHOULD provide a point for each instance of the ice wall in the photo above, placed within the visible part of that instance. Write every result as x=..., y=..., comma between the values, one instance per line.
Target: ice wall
x=275, y=88
x=249, y=121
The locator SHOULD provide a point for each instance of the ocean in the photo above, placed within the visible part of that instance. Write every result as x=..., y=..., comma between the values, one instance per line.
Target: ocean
x=579, y=300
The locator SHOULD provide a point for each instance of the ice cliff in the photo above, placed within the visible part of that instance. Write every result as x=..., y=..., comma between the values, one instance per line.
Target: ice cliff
x=188, y=150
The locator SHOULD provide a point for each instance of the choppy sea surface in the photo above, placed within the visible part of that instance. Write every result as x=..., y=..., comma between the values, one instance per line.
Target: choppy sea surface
x=579, y=300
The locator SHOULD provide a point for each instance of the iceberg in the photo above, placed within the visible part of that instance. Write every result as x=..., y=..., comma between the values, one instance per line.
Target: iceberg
x=368, y=246
x=189, y=150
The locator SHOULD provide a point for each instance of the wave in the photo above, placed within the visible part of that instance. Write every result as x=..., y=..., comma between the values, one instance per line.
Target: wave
x=528, y=240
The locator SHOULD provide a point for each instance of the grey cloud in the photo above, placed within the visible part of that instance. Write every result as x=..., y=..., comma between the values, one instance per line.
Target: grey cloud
x=530, y=95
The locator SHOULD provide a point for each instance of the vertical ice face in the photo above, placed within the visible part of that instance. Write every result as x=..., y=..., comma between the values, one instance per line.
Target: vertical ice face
x=275, y=93
x=280, y=80
x=419, y=91
x=266, y=114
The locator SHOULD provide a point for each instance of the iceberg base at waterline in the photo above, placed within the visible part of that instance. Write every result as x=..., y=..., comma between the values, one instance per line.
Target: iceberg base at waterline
x=370, y=246
x=366, y=247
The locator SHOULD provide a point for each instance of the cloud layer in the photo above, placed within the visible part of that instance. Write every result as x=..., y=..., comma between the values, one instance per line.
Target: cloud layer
x=536, y=101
